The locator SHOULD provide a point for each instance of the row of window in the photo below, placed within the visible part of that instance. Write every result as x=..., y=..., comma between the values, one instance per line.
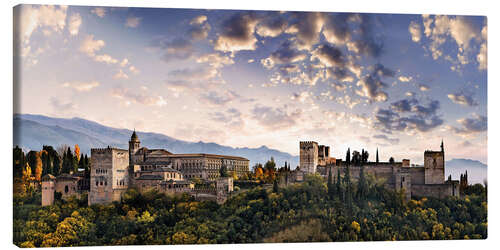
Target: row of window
x=101, y=171
x=101, y=183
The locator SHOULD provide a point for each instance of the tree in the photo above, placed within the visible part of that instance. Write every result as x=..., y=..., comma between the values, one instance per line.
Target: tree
x=62, y=149
x=19, y=161
x=38, y=167
x=68, y=164
x=362, y=186
x=364, y=156
x=356, y=158
x=270, y=170
x=377, y=157
x=275, y=186
x=348, y=157
x=339, y=186
x=223, y=171
x=330, y=186
x=77, y=152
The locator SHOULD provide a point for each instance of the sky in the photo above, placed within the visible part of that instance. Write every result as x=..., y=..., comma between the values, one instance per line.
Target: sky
x=399, y=83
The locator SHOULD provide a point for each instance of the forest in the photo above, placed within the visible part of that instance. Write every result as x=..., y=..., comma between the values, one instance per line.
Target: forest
x=314, y=210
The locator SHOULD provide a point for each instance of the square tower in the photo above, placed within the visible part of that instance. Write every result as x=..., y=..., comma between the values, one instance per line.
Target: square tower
x=109, y=176
x=48, y=189
x=434, y=167
x=309, y=151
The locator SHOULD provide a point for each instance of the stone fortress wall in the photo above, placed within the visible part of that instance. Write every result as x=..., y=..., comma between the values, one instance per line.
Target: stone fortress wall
x=427, y=180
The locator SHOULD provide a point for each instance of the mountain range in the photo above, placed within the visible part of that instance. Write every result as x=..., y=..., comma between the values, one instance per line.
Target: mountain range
x=31, y=132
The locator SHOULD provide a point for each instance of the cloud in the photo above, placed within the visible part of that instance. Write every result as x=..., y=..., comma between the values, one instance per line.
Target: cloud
x=124, y=62
x=216, y=98
x=177, y=48
x=59, y=106
x=133, y=69
x=237, y=33
x=48, y=17
x=89, y=46
x=133, y=22
x=272, y=26
x=81, y=86
x=387, y=139
x=461, y=29
x=303, y=97
x=275, y=118
x=135, y=97
x=367, y=43
x=415, y=31
x=199, y=28
x=329, y=56
x=215, y=60
x=306, y=29
x=471, y=126
x=120, y=75
x=372, y=85
x=408, y=115
x=482, y=56
x=100, y=12
x=337, y=30
x=285, y=54
x=231, y=118
x=463, y=98
x=74, y=24
x=405, y=78
x=423, y=87
x=105, y=58
x=197, y=73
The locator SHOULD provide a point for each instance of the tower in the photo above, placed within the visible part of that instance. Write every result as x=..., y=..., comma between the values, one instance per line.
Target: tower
x=309, y=152
x=133, y=145
x=48, y=189
x=434, y=166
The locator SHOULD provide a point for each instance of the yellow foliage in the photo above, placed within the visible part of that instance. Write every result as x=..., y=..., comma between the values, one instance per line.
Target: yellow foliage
x=77, y=152
x=355, y=225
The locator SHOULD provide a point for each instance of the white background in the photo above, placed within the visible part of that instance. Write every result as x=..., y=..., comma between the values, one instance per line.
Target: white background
x=455, y=7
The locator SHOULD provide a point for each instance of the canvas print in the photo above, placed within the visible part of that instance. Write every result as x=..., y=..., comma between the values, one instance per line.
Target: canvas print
x=138, y=126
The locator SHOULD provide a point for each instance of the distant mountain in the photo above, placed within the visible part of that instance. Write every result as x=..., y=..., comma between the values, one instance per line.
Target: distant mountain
x=31, y=132
x=476, y=170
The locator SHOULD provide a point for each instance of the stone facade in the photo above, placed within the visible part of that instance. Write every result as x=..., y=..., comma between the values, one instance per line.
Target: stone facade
x=48, y=189
x=427, y=180
x=309, y=154
x=202, y=166
x=109, y=176
x=224, y=187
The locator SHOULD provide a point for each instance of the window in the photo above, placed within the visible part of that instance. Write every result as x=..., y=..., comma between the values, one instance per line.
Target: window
x=66, y=189
x=96, y=183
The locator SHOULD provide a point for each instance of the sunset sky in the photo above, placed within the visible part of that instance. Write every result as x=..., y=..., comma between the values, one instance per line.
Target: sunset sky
x=246, y=79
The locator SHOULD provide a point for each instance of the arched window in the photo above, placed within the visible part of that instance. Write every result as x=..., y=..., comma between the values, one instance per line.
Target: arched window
x=66, y=189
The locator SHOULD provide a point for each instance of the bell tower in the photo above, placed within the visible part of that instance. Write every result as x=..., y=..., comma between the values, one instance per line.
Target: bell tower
x=133, y=145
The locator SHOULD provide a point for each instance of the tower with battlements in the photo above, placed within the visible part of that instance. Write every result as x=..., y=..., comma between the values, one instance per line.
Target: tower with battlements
x=109, y=177
x=434, y=166
x=309, y=152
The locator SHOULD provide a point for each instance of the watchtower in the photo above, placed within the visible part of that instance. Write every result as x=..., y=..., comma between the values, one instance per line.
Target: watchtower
x=309, y=151
x=434, y=166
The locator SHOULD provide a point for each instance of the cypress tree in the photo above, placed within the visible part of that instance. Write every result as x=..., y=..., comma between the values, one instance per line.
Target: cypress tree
x=348, y=157
x=339, y=186
x=330, y=184
x=377, y=156
x=275, y=186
